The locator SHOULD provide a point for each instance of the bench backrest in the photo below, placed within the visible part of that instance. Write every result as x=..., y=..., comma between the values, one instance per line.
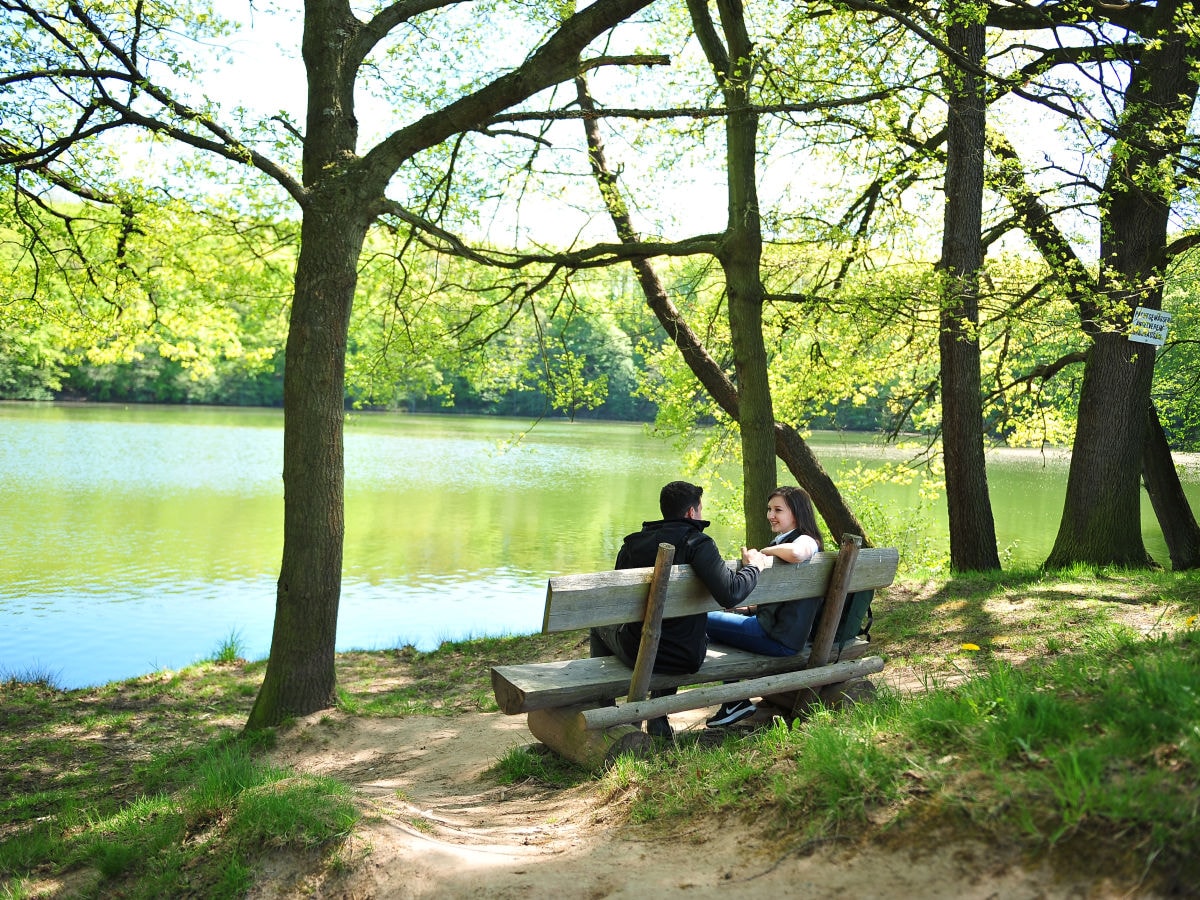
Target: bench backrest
x=606, y=598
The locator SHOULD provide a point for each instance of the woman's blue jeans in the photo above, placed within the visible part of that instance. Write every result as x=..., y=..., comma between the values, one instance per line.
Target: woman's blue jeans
x=745, y=633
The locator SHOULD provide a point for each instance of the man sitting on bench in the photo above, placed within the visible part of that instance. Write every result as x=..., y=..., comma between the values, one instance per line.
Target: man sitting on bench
x=683, y=643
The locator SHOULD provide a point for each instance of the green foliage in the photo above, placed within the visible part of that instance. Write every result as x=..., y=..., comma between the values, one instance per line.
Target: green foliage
x=444, y=333
x=184, y=307
x=1178, y=363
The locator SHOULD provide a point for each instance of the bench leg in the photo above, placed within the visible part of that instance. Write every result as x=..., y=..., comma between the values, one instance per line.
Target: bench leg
x=798, y=704
x=563, y=731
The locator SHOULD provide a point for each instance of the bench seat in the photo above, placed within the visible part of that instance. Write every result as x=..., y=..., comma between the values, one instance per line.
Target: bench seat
x=572, y=682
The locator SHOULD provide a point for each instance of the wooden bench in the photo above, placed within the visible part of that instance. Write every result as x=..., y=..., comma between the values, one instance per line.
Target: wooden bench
x=569, y=703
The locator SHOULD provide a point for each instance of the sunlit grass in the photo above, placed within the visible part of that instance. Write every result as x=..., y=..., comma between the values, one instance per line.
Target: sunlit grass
x=189, y=827
x=1103, y=742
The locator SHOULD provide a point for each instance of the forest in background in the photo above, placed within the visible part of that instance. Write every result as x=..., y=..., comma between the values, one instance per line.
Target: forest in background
x=218, y=332
x=216, y=312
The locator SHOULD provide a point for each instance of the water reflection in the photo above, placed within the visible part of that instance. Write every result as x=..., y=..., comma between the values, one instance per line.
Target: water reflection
x=142, y=537
x=139, y=538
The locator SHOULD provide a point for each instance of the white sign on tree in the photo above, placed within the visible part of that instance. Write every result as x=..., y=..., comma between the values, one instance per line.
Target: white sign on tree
x=1149, y=326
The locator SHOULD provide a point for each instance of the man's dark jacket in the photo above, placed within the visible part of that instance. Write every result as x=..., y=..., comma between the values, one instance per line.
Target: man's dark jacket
x=683, y=643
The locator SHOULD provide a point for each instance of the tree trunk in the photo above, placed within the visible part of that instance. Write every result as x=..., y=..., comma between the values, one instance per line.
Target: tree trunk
x=740, y=255
x=969, y=508
x=300, y=671
x=300, y=676
x=1168, y=499
x=1101, y=522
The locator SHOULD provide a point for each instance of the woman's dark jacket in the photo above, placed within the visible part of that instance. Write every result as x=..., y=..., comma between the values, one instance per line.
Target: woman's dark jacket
x=789, y=622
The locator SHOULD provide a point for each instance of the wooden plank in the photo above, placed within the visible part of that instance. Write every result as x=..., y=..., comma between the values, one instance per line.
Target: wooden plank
x=835, y=600
x=607, y=716
x=608, y=598
x=564, y=732
x=639, y=684
x=531, y=686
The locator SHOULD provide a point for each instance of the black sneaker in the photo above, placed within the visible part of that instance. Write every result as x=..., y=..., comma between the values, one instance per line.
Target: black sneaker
x=660, y=728
x=731, y=712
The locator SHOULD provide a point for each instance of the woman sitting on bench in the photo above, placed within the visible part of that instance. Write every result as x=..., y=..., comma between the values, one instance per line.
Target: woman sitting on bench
x=773, y=629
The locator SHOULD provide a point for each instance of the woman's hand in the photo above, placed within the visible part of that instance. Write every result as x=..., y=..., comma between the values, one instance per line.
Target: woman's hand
x=756, y=558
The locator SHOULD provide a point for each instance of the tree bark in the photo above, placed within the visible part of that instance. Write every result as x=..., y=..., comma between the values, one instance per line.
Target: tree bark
x=1101, y=522
x=300, y=670
x=1170, y=504
x=968, y=505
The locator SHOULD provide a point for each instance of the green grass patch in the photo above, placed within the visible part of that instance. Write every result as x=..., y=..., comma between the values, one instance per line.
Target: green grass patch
x=535, y=765
x=231, y=649
x=1102, y=743
x=223, y=809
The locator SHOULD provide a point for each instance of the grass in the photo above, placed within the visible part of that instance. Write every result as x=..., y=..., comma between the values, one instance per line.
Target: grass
x=533, y=763
x=190, y=835
x=1083, y=735
x=231, y=649
x=146, y=788
x=1057, y=712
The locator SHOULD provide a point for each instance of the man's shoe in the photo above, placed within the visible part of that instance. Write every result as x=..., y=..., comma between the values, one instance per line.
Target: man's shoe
x=731, y=712
x=660, y=728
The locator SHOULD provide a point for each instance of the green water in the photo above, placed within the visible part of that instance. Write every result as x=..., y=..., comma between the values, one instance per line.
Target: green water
x=137, y=538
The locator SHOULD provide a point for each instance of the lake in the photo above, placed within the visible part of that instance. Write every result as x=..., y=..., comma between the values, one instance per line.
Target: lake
x=140, y=538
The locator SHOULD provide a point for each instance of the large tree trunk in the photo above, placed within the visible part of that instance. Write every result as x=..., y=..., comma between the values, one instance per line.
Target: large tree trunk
x=1101, y=522
x=740, y=255
x=1170, y=504
x=969, y=507
x=300, y=671
x=300, y=676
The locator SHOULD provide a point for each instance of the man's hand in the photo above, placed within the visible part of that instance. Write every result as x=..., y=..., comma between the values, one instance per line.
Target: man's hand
x=756, y=558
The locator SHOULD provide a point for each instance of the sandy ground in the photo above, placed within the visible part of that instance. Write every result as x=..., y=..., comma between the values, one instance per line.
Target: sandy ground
x=442, y=829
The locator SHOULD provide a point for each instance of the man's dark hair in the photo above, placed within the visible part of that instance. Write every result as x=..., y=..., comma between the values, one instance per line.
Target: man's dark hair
x=676, y=498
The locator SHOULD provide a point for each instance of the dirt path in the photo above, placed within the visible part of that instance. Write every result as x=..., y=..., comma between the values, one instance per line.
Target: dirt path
x=441, y=829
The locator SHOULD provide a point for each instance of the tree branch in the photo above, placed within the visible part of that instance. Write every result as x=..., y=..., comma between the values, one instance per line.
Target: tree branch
x=687, y=112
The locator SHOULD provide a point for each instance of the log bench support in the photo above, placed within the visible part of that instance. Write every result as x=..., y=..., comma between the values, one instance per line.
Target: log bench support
x=562, y=730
